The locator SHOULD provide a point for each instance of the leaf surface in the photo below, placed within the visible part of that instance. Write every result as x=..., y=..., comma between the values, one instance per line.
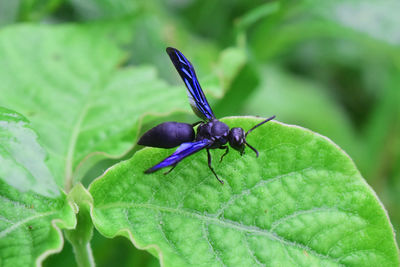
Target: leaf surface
x=77, y=98
x=76, y=94
x=22, y=158
x=301, y=203
x=33, y=209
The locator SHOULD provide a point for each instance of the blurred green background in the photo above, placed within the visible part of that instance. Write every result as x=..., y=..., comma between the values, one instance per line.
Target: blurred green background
x=330, y=66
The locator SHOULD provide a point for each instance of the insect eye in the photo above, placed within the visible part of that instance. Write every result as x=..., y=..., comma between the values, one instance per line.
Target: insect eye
x=237, y=138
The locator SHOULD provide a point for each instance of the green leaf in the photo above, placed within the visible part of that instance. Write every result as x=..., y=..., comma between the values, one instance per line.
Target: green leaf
x=32, y=207
x=22, y=158
x=301, y=203
x=229, y=65
x=67, y=79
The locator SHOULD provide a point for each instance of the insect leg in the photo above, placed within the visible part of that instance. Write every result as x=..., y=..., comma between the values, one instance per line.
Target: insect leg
x=211, y=168
x=226, y=152
x=170, y=170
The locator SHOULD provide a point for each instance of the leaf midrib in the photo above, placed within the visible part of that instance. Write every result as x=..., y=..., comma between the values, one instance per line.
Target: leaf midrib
x=219, y=221
x=98, y=84
x=72, y=144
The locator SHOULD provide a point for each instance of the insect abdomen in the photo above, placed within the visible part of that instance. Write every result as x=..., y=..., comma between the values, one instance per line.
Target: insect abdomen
x=168, y=135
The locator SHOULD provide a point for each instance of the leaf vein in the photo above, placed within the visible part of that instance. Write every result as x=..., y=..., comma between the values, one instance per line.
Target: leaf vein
x=206, y=235
x=218, y=221
x=258, y=184
x=246, y=241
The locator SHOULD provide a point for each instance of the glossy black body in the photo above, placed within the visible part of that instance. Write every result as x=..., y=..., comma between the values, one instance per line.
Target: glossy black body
x=168, y=135
x=173, y=134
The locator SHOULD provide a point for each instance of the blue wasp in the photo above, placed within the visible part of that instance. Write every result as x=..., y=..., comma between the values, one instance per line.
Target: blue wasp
x=211, y=133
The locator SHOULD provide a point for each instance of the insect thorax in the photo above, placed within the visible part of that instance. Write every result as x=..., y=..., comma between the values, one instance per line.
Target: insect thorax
x=213, y=130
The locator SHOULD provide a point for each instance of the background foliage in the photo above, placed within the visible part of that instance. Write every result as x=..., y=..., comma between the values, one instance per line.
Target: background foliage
x=331, y=66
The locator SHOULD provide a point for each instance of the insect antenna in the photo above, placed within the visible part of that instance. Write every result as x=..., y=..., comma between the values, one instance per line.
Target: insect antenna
x=249, y=131
x=252, y=148
x=261, y=123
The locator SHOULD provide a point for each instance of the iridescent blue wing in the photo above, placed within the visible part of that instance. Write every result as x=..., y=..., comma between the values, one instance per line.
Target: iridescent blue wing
x=197, y=99
x=183, y=151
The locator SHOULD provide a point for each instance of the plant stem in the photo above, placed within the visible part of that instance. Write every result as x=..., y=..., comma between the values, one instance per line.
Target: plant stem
x=83, y=254
x=82, y=234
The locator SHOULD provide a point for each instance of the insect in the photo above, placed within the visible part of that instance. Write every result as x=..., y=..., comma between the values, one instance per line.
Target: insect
x=211, y=133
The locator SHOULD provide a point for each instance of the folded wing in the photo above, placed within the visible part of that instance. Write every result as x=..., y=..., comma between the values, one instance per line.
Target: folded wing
x=183, y=151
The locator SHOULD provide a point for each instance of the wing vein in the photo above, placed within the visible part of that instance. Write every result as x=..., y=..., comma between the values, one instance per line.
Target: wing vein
x=198, y=100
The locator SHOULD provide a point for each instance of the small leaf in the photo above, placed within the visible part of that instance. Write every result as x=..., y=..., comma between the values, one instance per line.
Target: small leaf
x=301, y=203
x=32, y=208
